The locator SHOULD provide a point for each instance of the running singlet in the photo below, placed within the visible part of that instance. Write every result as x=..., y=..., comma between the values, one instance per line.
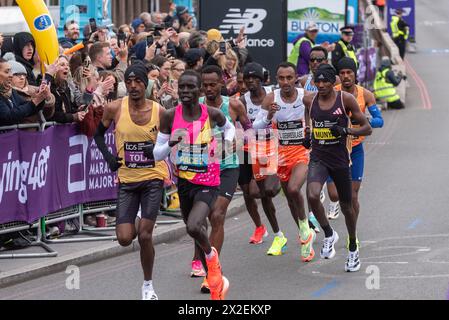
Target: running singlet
x=362, y=104
x=331, y=151
x=289, y=120
x=308, y=86
x=194, y=157
x=230, y=161
x=130, y=139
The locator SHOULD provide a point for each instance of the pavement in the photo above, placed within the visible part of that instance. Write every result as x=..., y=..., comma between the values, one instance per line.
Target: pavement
x=17, y=270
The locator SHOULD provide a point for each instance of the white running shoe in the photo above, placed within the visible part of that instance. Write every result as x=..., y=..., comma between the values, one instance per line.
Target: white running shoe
x=148, y=293
x=352, y=262
x=328, y=250
x=322, y=196
x=334, y=210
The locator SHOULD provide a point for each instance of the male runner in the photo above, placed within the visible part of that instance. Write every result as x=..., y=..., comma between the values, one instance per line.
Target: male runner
x=285, y=110
x=347, y=70
x=140, y=176
x=261, y=161
x=189, y=128
x=328, y=113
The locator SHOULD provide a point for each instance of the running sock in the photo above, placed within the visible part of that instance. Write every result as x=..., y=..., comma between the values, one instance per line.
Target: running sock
x=148, y=284
x=333, y=204
x=304, y=229
x=328, y=232
x=352, y=244
x=210, y=255
x=279, y=234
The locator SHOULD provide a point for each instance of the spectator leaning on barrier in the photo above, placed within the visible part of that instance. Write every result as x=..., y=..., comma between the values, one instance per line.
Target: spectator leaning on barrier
x=300, y=53
x=24, y=50
x=14, y=109
x=343, y=47
x=385, y=83
x=66, y=109
x=28, y=92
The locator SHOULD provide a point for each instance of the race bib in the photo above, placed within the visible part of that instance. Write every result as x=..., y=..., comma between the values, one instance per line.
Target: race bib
x=134, y=157
x=324, y=136
x=192, y=157
x=290, y=133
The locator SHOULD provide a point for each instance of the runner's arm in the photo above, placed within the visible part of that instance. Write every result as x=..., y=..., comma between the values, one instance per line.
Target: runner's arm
x=223, y=124
x=263, y=118
x=163, y=145
x=239, y=111
x=109, y=114
x=353, y=107
x=377, y=121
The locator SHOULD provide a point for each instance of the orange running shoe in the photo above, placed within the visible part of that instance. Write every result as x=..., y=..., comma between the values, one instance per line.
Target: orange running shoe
x=214, y=276
x=260, y=233
x=222, y=292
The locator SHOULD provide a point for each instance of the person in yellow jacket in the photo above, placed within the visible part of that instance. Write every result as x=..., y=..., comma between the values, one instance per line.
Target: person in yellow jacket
x=385, y=83
x=399, y=31
x=343, y=47
x=302, y=46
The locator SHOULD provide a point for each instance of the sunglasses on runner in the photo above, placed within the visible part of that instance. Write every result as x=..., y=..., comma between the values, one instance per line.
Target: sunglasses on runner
x=317, y=59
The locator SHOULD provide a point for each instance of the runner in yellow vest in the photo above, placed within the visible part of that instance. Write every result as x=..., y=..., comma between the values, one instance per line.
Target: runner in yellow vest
x=343, y=47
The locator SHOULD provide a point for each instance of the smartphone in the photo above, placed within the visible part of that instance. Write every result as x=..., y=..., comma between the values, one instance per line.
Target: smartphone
x=172, y=52
x=121, y=38
x=87, y=62
x=150, y=40
x=93, y=24
x=87, y=100
x=223, y=47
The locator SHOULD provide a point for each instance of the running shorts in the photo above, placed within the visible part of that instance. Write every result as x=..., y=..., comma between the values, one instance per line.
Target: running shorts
x=228, y=182
x=358, y=163
x=290, y=157
x=146, y=194
x=190, y=193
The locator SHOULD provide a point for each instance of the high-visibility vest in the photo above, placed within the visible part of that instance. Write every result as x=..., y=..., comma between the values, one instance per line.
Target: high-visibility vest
x=395, y=31
x=349, y=53
x=294, y=54
x=384, y=90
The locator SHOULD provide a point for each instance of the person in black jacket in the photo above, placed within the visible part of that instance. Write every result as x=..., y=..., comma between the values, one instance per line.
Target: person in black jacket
x=66, y=110
x=24, y=50
x=13, y=108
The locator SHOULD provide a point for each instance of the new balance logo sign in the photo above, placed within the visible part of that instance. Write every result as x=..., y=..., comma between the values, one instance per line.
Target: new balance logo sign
x=251, y=19
x=338, y=111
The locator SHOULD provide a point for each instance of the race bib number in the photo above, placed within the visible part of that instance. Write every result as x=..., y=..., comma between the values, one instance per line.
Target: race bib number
x=192, y=157
x=290, y=132
x=134, y=157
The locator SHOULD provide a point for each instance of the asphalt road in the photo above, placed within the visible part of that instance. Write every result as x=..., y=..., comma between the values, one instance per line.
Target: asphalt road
x=403, y=225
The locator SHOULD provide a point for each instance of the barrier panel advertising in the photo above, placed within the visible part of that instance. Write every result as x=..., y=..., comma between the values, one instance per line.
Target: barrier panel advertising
x=42, y=172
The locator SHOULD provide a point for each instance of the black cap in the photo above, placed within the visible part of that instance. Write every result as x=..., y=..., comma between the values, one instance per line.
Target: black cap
x=138, y=71
x=347, y=28
x=253, y=69
x=346, y=63
x=180, y=10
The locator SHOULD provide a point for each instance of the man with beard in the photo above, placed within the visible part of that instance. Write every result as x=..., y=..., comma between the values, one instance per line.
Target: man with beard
x=141, y=178
x=72, y=34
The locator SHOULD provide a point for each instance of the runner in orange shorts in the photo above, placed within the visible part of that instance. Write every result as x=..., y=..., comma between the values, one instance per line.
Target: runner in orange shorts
x=284, y=110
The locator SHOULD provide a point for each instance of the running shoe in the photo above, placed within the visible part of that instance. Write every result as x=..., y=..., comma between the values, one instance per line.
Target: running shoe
x=315, y=224
x=352, y=262
x=197, y=269
x=328, y=250
x=322, y=196
x=205, y=286
x=260, y=233
x=214, y=275
x=278, y=247
x=221, y=293
x=334, y=210
x=148, y=293
x=307, y=252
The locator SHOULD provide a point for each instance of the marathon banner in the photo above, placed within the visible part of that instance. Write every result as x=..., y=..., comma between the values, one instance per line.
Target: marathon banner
x=408, y=15
x=42, y=172
x=329, y=16
x=264, y=23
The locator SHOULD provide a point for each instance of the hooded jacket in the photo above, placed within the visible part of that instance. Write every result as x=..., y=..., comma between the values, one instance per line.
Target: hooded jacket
x=21, y=39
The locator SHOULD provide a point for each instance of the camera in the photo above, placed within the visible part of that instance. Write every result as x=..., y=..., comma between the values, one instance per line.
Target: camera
x=223, y=47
